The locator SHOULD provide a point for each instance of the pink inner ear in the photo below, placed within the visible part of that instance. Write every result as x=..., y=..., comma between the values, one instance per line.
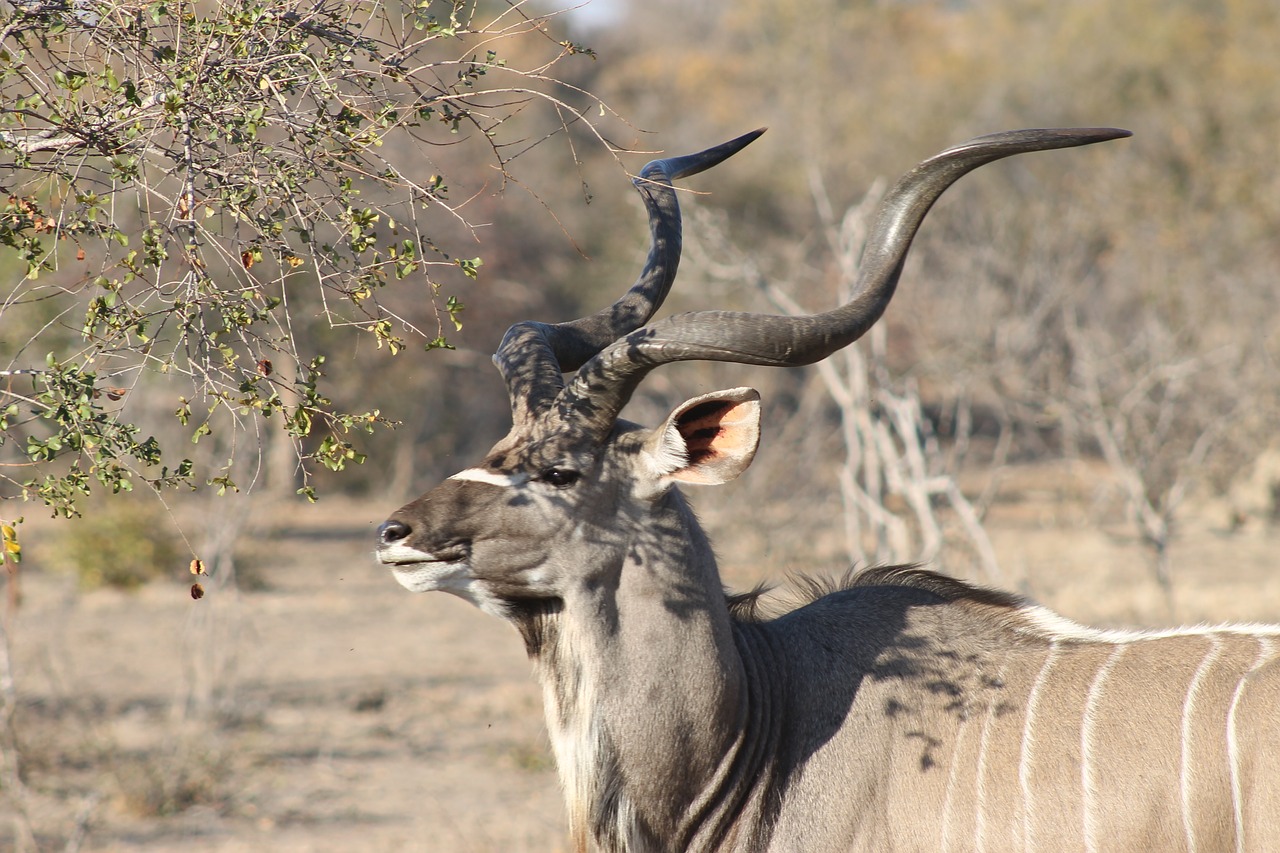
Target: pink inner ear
x=710, y=430
x=701, y=444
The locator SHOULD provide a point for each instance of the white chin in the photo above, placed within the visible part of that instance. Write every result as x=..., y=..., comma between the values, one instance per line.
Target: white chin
x=419, y=571
x=423, y=577
x=453, y=578
x=431, y=575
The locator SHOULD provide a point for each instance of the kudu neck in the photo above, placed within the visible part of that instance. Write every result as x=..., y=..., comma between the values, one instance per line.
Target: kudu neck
x=644, y=684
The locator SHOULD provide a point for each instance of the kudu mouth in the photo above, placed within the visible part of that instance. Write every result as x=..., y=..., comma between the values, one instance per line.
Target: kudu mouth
x=394, y=551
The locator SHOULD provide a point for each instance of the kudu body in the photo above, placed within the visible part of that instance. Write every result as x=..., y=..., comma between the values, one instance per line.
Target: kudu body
x=903, y=711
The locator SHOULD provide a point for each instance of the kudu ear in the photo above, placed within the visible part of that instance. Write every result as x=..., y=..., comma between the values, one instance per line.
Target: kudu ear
x=708, y=440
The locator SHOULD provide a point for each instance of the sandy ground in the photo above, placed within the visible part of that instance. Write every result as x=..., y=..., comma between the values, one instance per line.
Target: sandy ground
x=352, y=715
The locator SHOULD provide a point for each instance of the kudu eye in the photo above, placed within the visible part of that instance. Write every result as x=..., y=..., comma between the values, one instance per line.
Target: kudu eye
x=561, y=478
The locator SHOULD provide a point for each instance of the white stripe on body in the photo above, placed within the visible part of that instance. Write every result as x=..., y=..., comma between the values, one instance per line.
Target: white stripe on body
x=980, y=818
x=1086, y=747
x=1188, y=711
x=1265, y=649
x=1044, y=622
x=953, y=780
x=1024, y=765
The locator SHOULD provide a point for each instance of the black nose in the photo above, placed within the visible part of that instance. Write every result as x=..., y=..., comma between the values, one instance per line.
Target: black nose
x=392, y=532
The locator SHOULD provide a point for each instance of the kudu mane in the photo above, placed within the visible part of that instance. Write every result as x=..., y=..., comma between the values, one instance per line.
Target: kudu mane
x=754, y=605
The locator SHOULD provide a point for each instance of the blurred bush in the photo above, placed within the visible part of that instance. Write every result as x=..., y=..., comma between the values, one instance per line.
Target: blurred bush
x=122, y=541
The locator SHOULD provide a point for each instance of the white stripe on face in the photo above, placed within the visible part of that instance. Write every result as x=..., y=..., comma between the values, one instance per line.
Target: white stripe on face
x=479, y=475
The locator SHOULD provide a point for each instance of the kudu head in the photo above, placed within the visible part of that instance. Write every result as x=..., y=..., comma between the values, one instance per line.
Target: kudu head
x=572, y=493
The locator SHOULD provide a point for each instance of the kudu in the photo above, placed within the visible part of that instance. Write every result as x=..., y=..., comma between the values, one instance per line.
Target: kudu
x=902, y=711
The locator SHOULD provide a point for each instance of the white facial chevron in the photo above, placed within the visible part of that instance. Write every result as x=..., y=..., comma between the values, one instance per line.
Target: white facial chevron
x=480, y=475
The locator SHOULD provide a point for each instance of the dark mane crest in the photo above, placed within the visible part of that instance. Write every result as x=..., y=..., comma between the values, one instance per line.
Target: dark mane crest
x=756, y=606
x=946, y=588
x=749, y=606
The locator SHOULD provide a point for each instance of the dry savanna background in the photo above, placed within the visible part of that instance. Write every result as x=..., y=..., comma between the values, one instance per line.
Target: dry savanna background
x=255, y=256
